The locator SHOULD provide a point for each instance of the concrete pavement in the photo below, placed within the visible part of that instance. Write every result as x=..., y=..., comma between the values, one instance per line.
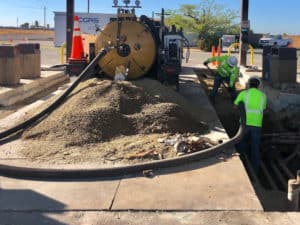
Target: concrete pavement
x=205, y=185
x=149, y=218
x=212, y=184
x=25, y=195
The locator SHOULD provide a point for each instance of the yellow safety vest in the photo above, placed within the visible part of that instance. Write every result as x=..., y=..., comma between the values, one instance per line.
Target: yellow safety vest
x=255, y=104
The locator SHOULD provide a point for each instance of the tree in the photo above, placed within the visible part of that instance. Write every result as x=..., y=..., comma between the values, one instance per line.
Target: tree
x=208, y=19
x=25, y=25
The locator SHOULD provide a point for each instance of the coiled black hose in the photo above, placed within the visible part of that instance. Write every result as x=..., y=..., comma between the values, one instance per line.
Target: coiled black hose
x=42, y=173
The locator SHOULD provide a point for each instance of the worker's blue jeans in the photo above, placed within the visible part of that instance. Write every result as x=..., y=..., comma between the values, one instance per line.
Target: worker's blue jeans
x=217, y=82
x=251, y=140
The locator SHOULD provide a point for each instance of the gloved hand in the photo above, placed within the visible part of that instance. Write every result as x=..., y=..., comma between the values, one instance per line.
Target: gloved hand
x=205, y=63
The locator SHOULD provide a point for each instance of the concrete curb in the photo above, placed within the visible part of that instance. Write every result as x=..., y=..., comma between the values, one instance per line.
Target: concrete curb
x=31, y=87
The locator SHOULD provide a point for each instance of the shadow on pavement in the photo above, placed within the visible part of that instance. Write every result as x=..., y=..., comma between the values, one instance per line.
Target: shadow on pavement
x=17, y=207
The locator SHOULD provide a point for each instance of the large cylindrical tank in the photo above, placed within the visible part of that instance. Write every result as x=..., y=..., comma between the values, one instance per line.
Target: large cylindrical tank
x=135, y=47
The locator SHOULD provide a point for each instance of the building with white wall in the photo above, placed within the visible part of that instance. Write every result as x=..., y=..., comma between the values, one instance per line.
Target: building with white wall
x=88, y=23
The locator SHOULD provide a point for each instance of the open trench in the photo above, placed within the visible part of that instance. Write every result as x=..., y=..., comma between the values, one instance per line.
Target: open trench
x=280, y=147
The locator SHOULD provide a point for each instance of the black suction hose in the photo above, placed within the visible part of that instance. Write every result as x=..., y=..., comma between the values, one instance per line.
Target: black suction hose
x=55, y=104
x=43, y=173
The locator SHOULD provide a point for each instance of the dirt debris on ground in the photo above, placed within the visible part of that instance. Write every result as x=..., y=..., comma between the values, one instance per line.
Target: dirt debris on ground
x=109, y=122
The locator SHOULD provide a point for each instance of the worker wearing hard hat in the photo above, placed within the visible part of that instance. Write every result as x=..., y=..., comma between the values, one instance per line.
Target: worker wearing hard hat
x=255, y=103
x=226, y=71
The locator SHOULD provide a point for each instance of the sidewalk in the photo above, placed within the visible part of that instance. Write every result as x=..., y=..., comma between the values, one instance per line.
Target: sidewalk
x=151, y=218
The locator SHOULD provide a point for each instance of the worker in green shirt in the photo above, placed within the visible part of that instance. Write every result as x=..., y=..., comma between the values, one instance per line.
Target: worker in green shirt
x=255, y=103
x=226, y=71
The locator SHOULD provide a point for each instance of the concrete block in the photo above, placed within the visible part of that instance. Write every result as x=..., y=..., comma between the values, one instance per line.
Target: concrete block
x=30, y=66
x=9, y=65
x=30, y=60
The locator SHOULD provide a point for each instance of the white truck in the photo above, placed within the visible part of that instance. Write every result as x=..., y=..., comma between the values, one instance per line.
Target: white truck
x=274, y=40
x=227, y=40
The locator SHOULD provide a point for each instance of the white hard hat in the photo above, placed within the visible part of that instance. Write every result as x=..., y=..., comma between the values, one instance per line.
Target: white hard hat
x=232, y=61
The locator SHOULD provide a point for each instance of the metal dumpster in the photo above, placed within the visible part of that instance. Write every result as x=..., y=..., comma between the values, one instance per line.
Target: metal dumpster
x=30, y=60
x=266, y=56
x=9, y=65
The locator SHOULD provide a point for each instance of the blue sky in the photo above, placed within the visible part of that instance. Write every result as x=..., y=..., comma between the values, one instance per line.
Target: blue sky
x=266, y=16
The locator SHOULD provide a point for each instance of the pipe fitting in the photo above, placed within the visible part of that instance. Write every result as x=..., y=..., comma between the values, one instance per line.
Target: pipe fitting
x=293, y=193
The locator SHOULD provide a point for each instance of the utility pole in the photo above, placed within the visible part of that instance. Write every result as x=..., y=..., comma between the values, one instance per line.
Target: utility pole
x=88, y=5
x=17, y=22
x=244, y=29
x=70, y=23
x=44, y=17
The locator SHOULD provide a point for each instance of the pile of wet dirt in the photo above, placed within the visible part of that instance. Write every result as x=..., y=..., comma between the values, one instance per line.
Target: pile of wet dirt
x=103, y=117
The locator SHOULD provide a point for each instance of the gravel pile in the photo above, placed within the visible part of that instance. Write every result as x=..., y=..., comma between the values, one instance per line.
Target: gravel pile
x=100, y=111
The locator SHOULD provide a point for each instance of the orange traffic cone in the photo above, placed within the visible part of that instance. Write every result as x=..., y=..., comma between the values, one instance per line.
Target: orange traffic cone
x=77, y=61
x=77, y=52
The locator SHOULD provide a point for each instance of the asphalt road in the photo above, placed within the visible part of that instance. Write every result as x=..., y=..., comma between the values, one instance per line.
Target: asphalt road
x=51, y=55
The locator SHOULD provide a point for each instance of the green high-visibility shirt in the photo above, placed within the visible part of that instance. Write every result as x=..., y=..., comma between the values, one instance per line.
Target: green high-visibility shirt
x=255, y=103
x=224, y=69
